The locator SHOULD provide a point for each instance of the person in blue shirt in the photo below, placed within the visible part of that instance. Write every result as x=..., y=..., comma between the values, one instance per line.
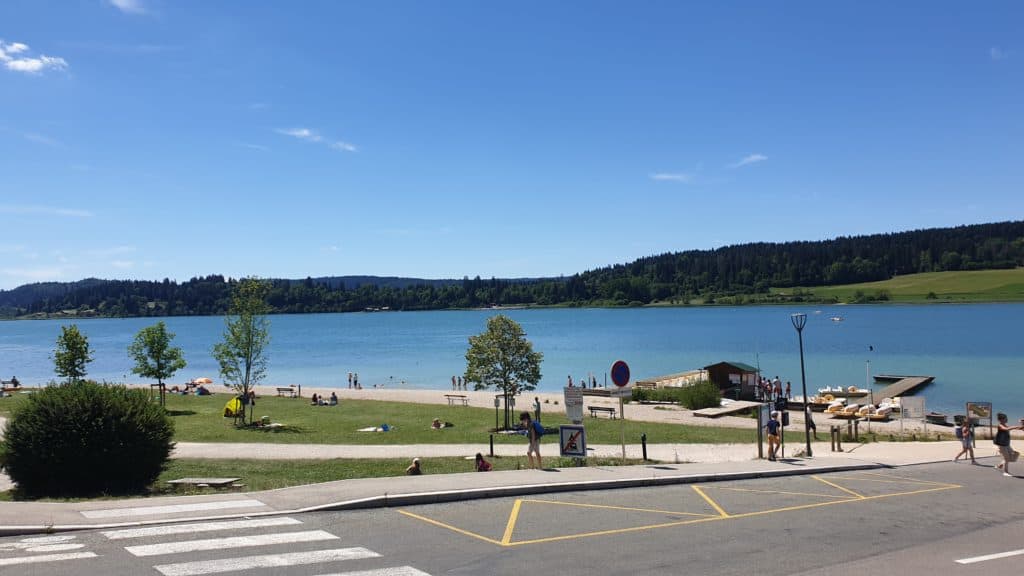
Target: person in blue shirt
x=533, y=433
x=773, y=435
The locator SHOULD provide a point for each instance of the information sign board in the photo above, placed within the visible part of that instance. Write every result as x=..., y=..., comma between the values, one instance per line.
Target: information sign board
x=573, y=404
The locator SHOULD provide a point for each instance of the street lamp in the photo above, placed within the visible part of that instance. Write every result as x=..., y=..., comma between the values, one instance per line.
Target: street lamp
x=799, y=321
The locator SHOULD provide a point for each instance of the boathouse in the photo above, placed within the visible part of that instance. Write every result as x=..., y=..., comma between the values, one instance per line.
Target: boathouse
x=736, y=380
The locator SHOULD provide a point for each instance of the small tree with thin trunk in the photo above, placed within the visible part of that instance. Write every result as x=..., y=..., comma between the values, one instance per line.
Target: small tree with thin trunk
x=242, y=353
x=71, y=354
x=154, y=356
x=501, y=357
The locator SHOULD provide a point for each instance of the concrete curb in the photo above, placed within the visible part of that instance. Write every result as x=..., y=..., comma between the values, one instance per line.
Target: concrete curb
x=415, y=498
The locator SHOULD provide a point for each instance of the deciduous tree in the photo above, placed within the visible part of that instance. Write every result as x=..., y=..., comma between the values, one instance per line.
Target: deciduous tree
x=72, y=354
x=501, y=357
x=242, y=353
x=154, y=356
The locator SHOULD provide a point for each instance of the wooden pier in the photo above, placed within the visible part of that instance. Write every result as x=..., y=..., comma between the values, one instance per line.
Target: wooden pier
x=900, y=384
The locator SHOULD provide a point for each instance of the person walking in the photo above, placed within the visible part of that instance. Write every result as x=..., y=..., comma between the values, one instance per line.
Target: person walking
x=810, y=421
x=1002, y=442
x=533, y=434
x=772, y=427
x=965, y=434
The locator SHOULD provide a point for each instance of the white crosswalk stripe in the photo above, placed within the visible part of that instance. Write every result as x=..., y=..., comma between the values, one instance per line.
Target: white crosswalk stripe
x=37, y=545
x=264, y=561
x=231, y=542
x=173, y=529
x=248, y=533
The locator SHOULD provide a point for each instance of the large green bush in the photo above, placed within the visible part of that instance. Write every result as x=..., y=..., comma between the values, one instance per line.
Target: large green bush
x=701, y=395
x=83, y=439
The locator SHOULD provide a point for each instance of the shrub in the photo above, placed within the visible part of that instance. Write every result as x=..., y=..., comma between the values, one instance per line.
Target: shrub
x=702, y=395
x=83, y=439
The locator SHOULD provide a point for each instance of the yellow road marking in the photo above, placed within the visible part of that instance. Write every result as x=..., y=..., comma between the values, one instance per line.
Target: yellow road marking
x=511, y=526
x=711, y=502
x=450, y=527
x=848, y=491
x=900, y=479
x=833, y=496
x=626, y=508
x=723, y=515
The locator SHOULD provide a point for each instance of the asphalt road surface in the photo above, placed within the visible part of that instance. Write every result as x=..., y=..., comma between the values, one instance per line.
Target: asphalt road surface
x=948, y=519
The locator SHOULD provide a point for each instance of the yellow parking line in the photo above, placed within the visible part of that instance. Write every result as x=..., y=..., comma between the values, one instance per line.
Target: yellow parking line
x=900, y=479
x=616, y=531
x=711, y=502
x=506, y=540
x=511, y=525
x=833, y=496
x=450, y=527
x=607, y=507
x=820, y=479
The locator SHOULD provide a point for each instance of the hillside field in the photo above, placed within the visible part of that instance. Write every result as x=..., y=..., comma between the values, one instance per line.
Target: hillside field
x=974, y=286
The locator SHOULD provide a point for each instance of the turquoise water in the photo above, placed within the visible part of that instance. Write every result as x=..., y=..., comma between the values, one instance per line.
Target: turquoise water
x=975, y=351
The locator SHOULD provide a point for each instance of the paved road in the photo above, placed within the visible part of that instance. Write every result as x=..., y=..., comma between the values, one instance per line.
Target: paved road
x=911, y=520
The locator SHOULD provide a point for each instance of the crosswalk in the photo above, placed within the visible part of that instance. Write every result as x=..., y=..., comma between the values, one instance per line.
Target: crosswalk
x=42, y=549
x=245, y=545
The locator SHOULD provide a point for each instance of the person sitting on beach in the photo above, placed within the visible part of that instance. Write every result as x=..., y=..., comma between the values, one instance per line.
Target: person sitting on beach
x=436, y=424
x=202, y=391
x=334, y=399
x=414, y=468
x=481, y=464
x=14, y=382
x=315, y=400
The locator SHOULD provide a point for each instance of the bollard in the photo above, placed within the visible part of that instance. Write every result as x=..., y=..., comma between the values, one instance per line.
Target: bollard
x=492, y=445
x=856, y=436
x=837, y=439
x=643, y=442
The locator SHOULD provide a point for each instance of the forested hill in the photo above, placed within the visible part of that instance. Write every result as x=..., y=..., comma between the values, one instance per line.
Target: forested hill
x=733, y=274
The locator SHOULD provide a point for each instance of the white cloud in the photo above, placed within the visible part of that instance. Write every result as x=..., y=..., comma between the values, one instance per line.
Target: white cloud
x=313, y=136
x=343, y=146
x=14, y=57
x=751, y=159
x=45, y=210
x=129, y=6
x=301, y=134
x=997, y=53
x=671, y=177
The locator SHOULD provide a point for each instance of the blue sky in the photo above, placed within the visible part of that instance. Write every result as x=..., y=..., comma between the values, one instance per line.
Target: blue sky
x=157, y=138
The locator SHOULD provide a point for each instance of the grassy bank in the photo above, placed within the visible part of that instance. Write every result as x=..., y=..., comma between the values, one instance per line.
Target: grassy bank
x=199, y=419
x=964, y=287
x=271, y=474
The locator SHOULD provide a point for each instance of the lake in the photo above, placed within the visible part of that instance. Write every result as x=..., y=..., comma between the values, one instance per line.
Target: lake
x=975, y=351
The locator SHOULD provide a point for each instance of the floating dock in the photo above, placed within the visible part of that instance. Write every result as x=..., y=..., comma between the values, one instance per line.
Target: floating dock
x=901, y=384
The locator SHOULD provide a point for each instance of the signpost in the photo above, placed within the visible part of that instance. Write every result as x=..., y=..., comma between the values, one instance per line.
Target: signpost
x=980, y=410
x=620, y=376
x=573, y=404
x=572, y=441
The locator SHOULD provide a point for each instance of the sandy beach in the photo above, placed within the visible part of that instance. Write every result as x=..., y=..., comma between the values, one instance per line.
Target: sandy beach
x=553, y=402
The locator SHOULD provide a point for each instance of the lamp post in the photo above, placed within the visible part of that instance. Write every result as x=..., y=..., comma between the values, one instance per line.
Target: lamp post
x=799, y=321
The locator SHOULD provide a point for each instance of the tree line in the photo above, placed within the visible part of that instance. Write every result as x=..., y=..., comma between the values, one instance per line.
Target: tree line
x=728, y=274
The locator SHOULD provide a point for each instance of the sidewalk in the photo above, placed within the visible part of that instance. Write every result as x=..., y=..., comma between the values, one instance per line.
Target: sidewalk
x=708, y=463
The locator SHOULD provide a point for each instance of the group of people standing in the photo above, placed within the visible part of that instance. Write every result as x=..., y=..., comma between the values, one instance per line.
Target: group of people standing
x=583, y=382
x=458, y=383
x=353, y=381
x=768, y=390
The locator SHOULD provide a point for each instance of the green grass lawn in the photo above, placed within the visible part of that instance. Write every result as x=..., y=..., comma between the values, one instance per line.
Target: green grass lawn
x=975, y=286
x=199, y=419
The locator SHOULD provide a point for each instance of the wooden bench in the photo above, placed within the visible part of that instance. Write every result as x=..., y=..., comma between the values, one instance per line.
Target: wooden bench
x=453, y=398
x=286, y=391
x=606, y=409
x=206, y=482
